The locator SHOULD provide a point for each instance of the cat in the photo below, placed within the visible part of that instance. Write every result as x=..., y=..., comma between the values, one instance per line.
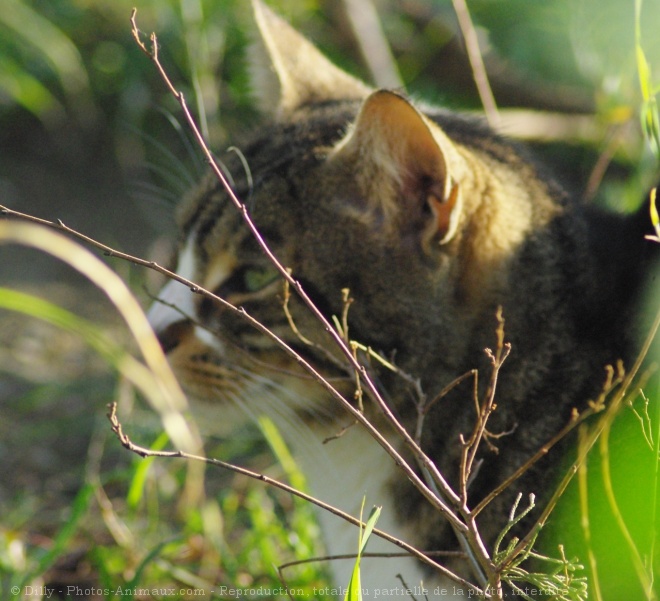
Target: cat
x=432, y=223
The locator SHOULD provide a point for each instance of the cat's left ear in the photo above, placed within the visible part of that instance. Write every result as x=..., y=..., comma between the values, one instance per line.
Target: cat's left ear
x=288, y=72
x=406, y=168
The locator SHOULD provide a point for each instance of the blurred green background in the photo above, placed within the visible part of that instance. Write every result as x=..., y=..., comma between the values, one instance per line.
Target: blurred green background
x=89, y=135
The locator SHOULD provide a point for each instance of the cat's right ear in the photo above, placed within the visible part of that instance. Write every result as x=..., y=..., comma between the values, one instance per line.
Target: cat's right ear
x=288, y=72
x=407, y=170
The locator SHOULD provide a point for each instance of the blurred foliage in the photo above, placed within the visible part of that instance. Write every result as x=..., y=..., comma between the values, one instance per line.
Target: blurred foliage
x=72, y=64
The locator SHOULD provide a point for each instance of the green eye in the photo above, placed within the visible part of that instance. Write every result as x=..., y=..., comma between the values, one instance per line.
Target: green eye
x=257, y=278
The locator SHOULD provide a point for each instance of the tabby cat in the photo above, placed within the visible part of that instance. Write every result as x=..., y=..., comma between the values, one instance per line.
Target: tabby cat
x=432, y=222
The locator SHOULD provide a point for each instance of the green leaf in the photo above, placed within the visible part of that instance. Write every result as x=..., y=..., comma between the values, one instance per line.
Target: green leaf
x=371, y=524
x=354, y=590
x=644, y=72
x=655, y=218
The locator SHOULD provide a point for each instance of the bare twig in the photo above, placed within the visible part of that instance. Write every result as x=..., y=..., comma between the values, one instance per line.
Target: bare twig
x=645, y=422
x=243, y=314
x=298, y=562
x=128, y=444
x=471, y=446
x=596, y=431
x=447, y=492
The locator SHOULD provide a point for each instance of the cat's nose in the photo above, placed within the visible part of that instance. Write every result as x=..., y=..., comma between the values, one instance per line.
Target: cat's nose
x=174, y=334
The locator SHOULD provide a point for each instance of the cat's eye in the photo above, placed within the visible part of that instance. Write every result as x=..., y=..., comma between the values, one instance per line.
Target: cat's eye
x=245, y=284
x=258, y=278
x=248, y=279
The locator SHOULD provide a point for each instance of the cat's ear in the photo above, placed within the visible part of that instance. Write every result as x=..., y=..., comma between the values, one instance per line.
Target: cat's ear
x=288, y=72
x=406, y=168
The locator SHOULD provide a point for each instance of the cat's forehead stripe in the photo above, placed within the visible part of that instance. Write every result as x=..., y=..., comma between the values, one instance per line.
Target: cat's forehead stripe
x=219, y=226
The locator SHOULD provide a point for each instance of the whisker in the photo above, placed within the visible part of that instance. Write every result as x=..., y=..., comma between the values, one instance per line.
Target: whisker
x=248, y=174
x=154, y=192
x=184, y=136
x=167, y=156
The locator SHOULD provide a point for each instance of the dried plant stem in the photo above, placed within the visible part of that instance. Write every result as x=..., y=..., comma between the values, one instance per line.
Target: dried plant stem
x=471, y=446
x=592, y=436
x=446, y=491
x=144, y=452
x=424, y=407
x=476, y=62
x=363, y=17
x=584, y=519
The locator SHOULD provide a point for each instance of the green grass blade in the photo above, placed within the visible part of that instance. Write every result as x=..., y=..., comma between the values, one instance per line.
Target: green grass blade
x=160, y=386
x=79, y=507
x=371, y=524
x=111, y=352
x=151, y=556
x=26, y=90
x=655, y=218
x=282, y=453
x=136, y=488
x=653, y=519
x=644, y=72
x=354, y=590
x=33, y=306
x=650, y=119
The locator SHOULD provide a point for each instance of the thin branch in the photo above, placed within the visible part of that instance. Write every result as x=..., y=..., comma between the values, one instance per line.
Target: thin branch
x=592, y=437
x=471, y=446
x=59, y=225
x=369, y=385
x=128, y=444
x=298, y=562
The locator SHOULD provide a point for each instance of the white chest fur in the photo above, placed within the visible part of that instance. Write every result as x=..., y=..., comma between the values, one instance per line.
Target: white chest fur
x=342, y=472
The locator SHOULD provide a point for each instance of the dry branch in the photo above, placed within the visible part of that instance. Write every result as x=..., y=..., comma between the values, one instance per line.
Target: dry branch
x=128, y=444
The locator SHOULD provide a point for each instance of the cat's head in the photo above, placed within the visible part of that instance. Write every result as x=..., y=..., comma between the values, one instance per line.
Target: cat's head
x=353, y=189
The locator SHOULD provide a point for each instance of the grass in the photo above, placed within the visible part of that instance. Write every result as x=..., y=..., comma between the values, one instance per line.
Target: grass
x=77, y=510
x=126, y=527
